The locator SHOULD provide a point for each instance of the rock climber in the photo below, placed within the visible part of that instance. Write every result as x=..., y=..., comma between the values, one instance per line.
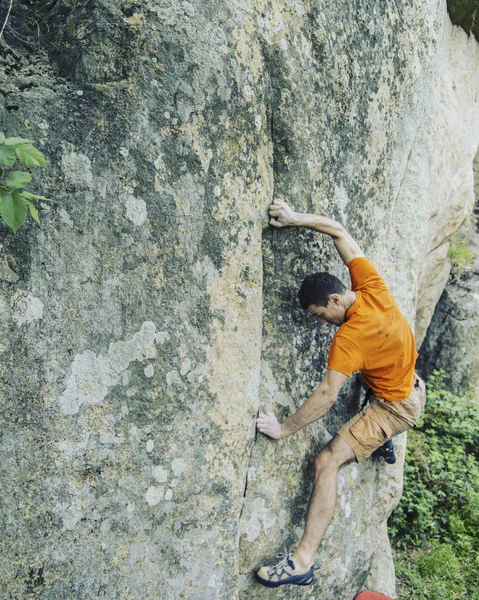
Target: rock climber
x=374, y=338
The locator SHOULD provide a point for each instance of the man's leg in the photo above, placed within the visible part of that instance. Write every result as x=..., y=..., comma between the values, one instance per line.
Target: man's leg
x=323, y=500
x=297, y=568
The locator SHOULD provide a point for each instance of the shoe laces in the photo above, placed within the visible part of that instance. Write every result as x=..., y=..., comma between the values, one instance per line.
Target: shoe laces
x=280, y=567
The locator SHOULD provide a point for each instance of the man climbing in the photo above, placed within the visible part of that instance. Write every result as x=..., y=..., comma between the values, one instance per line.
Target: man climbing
x=373, y=338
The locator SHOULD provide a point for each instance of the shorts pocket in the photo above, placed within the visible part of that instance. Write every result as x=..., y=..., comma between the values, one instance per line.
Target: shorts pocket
x=370, y=433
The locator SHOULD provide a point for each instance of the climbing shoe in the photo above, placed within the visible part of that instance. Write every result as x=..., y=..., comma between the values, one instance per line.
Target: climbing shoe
x=386, y=451
x=283, y=573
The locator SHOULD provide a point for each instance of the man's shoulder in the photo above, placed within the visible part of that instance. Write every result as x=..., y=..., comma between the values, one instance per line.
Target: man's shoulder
x=364, y=275
x=361, y=264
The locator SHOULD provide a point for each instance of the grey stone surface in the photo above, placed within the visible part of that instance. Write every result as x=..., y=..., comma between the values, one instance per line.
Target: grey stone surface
x=453, y=335
x=154, y=312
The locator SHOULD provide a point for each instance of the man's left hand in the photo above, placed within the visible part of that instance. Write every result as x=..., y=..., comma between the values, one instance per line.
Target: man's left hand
x=269, y=425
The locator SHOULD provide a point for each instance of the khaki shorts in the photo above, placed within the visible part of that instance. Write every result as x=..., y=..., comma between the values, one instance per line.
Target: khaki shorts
x=381, y=420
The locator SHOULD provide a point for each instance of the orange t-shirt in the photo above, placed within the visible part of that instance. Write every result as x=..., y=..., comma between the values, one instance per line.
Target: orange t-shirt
x=375, y=338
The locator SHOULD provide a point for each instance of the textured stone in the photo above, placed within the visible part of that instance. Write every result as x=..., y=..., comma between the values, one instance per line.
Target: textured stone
x=465, y=14
x=435, y=271
x=8, y=268
x=453, y=338
x=155, y=311
x=453, y=335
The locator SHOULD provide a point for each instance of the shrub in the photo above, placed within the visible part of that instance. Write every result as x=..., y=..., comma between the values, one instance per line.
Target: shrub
x=461, y=257
x=435, y=529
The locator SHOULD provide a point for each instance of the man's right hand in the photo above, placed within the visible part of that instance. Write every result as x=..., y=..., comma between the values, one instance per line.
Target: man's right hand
x=281, y=215
x=269, y=425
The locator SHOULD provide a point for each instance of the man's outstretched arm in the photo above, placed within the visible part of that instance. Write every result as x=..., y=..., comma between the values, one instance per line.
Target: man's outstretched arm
x=313, y=408
x=283, y=216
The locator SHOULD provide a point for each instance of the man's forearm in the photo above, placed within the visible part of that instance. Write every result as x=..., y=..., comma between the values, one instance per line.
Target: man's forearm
x=346, y=247
x=313, y=408
x=320, y=224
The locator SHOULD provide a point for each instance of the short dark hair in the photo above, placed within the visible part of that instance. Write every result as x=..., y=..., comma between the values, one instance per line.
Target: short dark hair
x=317, y=287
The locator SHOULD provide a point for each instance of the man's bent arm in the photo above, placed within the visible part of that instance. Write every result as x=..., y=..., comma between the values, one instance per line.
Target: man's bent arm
x=282, y=215
x=313, y=408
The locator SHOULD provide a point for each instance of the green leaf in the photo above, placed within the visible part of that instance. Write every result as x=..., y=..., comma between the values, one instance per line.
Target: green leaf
x=13, y=210
x=2, y=138
x=7, y=155
x=33, y=211
x=17, y=179
x=30, y=196
x=15, y=140
x=29, y=155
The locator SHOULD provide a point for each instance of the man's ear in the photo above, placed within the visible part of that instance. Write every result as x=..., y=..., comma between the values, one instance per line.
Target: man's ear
x=335, y=299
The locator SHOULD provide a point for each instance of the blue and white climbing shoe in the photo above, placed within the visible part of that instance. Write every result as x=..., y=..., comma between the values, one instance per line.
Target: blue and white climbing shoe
x=283, y=573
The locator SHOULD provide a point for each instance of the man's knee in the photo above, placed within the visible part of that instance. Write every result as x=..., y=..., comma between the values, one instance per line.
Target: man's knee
x=323, y=461
x=333, y=456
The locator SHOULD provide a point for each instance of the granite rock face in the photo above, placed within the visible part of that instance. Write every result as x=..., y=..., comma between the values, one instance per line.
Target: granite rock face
x=453, y=335
x=456, y=319
x=155, y=312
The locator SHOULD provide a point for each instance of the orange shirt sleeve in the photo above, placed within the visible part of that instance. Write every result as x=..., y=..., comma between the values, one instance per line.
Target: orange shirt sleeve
x=344, y=356
x=364, y=274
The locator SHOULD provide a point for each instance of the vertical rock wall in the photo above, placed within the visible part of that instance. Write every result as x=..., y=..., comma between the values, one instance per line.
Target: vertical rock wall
x=394, y=163
x=154, y=310
x=453, y=335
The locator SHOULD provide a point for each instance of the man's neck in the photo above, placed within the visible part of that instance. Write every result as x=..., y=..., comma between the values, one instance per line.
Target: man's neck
x=349, y=299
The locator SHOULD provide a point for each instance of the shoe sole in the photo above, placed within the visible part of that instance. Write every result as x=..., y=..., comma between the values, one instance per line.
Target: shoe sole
x=275, y=584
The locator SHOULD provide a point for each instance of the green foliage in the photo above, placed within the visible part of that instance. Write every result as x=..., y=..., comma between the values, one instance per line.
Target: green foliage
x=14, y=200
x=17, y=179
x=435, y=529
x=460, y=255
x=29, y=155
x=438, y=573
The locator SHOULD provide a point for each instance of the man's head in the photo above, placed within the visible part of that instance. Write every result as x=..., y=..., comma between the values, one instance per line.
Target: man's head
x=324, y=296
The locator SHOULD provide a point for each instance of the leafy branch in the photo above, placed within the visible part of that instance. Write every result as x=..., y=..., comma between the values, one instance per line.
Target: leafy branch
x=14, y=200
